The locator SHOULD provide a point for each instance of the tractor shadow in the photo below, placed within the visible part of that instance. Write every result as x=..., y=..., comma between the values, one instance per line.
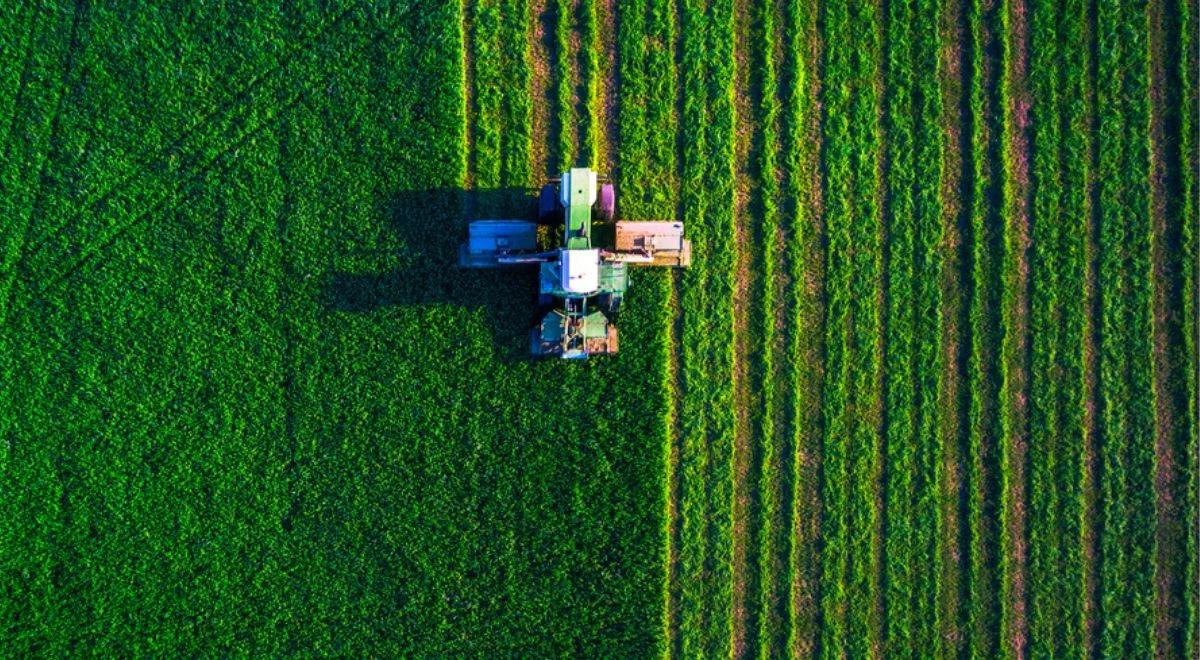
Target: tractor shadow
x=427, y=226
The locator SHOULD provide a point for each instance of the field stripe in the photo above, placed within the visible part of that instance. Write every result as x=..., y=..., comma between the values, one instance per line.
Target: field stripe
x=953, y=393
x=1072, y=433
x=805, y=258
x=748, y=406
x=927, y=272
x=562, y=78
x=986, y=245
x=853, y=464
x=1188, y=69
x=1092, y=519
x=1168, y=252
x=696, y=576
x=1015, y=327
x=1125, y=360
x=902, y=552
x=775, y=461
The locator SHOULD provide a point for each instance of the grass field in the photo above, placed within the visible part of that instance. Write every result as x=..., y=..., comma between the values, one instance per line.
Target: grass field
x=928, y=388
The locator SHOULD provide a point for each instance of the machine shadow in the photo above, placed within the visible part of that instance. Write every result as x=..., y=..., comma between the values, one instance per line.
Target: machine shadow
x=427, y=227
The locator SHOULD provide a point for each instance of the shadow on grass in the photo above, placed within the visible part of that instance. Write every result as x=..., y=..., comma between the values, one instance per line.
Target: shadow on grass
x=431, y=224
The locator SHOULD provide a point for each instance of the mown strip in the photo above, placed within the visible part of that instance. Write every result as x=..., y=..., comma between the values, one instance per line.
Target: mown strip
x=641, y=120
x=1069, y=603
x=1056, y=315
x=1166, y=88
x=1014, y=320
x=1188, y=71
x=1127, y=505
x=954, y=329
x=928, y=274
x=561, y=73
x=804, y=256
x=775, y=462
x=986, y=246
x=852, y=451
x=902, y=554
x=707, y=413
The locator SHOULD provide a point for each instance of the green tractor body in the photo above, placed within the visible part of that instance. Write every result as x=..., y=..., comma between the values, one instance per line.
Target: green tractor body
x=580, y=285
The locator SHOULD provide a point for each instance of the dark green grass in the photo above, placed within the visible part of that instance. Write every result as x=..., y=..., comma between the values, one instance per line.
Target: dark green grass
x=252, y=407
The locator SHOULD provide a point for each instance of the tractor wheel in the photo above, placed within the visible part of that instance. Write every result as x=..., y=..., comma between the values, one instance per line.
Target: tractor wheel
x=606, y=203
x=549, y=211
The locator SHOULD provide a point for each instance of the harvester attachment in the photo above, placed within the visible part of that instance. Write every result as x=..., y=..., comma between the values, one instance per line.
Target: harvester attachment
x=652, y=244
x=573, y=331
x=496, y=243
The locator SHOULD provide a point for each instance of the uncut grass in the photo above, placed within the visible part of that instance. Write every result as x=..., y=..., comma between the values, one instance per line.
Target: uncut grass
x=295, y=409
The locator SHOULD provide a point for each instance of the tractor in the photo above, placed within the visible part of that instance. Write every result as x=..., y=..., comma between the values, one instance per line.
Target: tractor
x=580, y=283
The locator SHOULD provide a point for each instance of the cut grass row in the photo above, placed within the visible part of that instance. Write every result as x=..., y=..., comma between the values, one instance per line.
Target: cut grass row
x=1059, y=81
x=852, y=451
x=985, y=244
x=805, y=259
x=1015, y=213
x=643, y=121
x=773, y=567
x=707, y=412
x=1125, y=368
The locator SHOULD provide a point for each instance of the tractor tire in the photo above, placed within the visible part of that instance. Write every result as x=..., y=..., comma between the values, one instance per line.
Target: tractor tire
x=549, y=211
x=606, y=203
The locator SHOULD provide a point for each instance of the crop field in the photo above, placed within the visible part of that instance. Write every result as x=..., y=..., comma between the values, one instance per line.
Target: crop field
x=928, y=388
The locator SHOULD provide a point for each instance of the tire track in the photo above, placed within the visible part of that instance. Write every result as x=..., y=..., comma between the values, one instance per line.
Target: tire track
x=162, y=205
x=8, y=278
x=158, y=159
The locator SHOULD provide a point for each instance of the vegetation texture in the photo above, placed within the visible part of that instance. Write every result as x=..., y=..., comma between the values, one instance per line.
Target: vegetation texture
x=928, y=389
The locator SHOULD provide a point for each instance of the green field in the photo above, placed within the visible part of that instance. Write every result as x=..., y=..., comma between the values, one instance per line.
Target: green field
x=928, y=388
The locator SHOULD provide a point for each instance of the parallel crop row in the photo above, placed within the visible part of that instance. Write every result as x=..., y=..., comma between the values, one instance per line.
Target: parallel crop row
x=803, y=224
x=1125, y=368
x=983, y=604
x=773, y=568
x=707, y=412
x=852, y=451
